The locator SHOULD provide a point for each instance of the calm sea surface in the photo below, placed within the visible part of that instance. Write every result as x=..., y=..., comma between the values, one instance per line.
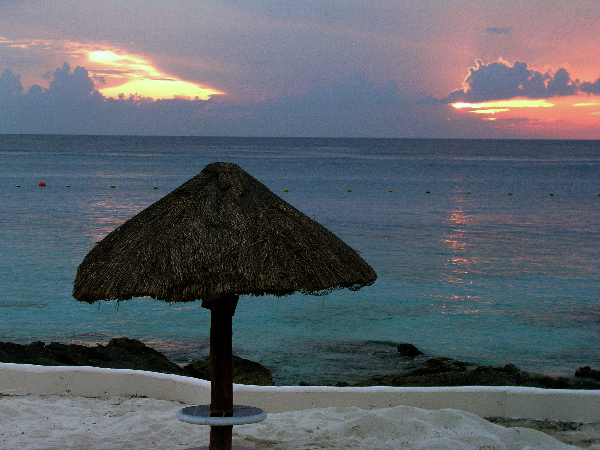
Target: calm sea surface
x=487, y=251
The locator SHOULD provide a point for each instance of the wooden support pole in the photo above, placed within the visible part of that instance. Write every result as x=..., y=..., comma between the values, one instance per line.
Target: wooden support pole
x=221, y=369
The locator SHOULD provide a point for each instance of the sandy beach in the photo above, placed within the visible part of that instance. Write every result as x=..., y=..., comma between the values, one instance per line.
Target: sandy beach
x=59, y=422
x=94, y=408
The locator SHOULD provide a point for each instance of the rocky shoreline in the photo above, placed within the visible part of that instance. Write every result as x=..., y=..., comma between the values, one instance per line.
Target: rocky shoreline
x=125, y=353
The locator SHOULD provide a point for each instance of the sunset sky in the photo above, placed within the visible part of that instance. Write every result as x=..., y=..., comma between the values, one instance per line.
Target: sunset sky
x=377, y=68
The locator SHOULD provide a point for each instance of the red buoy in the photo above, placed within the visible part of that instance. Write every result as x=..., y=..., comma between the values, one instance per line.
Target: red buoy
x=42, y=184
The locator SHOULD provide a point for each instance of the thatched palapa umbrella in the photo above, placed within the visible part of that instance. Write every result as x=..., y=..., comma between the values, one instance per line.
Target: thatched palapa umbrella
x=219, y=235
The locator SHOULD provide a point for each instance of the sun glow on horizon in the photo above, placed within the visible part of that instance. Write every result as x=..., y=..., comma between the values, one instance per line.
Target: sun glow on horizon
x=490, y=110
x=569, y=114
x=124, y=74
x=587, y=104
x=504, y=105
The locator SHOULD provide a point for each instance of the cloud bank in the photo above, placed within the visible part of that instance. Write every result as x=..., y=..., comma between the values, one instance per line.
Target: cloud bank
x=498, y=30
x=351, y=107
x=591, y=88
x=501, y=81
x=72, y=105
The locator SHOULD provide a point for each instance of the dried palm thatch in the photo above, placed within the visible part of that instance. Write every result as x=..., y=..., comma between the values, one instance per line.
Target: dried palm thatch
x=220, y=233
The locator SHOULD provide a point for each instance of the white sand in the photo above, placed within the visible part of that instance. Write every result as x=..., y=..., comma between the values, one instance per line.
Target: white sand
x=64, y=422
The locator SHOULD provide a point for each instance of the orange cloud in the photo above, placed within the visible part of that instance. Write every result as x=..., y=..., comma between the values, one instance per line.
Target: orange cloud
x=490, y=110
x=505, y=105
x=114, y=70
x=573, y=116
x=521, y=97
x=587, y=104
x=127, y=74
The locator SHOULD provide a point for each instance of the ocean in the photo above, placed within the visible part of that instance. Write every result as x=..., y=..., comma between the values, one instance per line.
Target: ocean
x=486, y=250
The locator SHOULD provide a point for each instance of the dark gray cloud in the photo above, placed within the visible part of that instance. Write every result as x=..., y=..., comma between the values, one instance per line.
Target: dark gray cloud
x=500, y=81
x=69, y=105
x=71, y=84
x=10, y=85
x=498, y=30
x=591, y=88
x=12, y=3
x=352, y=107
x=561, y=84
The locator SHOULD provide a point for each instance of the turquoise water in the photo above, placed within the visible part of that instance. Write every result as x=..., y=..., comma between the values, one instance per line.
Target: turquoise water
x=465, y=269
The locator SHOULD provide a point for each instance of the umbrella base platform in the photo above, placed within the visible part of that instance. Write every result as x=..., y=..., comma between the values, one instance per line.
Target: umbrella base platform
x=200, y=415
x=232, y=448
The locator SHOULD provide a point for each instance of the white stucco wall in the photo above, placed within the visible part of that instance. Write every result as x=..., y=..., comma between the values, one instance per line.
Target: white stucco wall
x=512, y=402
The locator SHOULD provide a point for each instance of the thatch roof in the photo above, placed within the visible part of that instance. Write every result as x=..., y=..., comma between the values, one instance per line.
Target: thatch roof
x=222, y=232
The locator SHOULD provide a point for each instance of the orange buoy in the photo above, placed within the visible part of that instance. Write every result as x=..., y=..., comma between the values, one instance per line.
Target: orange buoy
x=42, y=184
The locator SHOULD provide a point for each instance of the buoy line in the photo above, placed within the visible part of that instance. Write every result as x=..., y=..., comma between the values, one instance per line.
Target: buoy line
x=155, y=187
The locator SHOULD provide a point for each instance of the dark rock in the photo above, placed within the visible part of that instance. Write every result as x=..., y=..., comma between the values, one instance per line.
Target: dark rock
x=127, y=343
x=588, y=372
x=440, y=365
x=125, y=353
x=409, y=350
x=448, y=372
x=37, y=345
x=244, y=371
x=120, y=353
x=139, y=356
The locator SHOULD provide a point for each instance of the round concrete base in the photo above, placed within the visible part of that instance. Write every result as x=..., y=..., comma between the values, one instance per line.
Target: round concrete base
x=232, y=448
